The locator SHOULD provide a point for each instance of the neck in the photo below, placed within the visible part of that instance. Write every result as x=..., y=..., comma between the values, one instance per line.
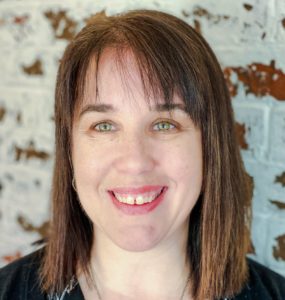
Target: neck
x=159, y=273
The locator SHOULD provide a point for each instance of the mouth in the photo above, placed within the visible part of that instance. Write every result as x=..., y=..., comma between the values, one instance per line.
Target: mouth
x=138, y=204
x=138, y=199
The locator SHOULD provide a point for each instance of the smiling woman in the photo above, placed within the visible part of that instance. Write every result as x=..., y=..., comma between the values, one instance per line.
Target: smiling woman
x=150, y=197
x=144, y=171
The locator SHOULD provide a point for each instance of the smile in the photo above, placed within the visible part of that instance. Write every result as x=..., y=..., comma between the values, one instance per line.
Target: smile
x=138, y=199
x=138, y=204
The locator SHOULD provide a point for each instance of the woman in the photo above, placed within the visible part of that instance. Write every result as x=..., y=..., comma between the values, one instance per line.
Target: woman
x=150, y=197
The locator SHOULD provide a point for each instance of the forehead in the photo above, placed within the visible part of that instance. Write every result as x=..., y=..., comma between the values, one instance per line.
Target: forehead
x=118, y=81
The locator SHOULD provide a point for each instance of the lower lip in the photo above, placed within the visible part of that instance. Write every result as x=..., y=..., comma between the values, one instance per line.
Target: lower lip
x=136, y=209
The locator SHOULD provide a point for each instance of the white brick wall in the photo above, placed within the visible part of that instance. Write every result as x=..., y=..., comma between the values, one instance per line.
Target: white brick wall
x=241, y=34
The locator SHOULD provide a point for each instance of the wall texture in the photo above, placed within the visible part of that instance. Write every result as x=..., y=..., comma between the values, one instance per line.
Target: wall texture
x=249, y=40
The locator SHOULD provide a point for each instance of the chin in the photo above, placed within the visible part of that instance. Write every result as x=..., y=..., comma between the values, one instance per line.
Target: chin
x=137, y=240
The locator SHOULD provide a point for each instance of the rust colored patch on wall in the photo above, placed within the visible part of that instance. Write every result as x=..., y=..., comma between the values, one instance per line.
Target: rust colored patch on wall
x=42, y=230
x=202, y=12
x=63, y=26
x=231, y=86
x=2, y=113
x=283, y=22
x=240, y=131
x=279, y=250
x=247, y=6
x=279, y=204
x=30, y=152
x=20, y=20
x=280, y=179
x=12, y=257
x=34, y=69
x=260, y=79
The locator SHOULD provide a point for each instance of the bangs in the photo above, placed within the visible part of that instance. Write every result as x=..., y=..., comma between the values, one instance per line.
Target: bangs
x=164, y=65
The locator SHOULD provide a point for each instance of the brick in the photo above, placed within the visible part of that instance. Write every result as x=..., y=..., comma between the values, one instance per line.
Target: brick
x=266, y=189
x=276, y=243
x=277, y=135
x=252, y=118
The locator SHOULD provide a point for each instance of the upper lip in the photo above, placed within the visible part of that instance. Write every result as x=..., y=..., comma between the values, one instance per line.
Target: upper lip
x=137, y=190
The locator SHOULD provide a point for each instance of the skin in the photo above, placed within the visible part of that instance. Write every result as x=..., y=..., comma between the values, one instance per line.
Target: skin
x=141, y=256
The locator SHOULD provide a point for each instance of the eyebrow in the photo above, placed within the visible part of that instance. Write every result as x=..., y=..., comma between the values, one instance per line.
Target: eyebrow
x=104, y=108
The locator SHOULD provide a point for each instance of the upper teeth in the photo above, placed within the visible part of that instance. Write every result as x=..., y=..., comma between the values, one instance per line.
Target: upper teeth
x=138, y=199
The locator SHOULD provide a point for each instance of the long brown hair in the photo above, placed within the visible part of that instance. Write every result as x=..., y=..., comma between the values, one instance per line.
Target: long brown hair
x=172, y=57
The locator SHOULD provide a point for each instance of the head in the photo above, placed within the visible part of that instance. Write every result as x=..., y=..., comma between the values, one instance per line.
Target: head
x=137, y=62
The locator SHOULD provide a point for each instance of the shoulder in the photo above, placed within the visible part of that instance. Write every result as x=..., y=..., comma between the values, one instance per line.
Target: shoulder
x=263, y=283
x=20, y=280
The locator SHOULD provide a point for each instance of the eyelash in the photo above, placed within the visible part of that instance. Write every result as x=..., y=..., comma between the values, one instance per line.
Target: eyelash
x=93, y=127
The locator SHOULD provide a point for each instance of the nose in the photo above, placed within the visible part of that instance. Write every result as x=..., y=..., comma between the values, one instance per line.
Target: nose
x=136, y=155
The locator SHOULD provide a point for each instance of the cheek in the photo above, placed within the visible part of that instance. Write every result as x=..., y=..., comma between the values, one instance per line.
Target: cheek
x=183, y=162
x=89, y=160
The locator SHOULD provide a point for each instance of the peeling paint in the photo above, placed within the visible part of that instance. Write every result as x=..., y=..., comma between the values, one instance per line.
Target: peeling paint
x=202, y=12
x=259, y=79
x=240, y=131
x=12, y=257
x=42, y=230
x=247, y=6
x=2, y=113
x=280, y=179
x=279, y=204
x=279, y=250
x=30, y=152
x=20, y=20
x=63, y=26
x=34, y=69
x=231, y=86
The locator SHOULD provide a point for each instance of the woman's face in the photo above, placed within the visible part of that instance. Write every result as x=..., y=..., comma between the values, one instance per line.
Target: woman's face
x=153, y=159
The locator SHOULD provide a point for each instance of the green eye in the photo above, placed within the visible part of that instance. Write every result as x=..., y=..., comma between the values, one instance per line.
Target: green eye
x=164, y=126
x=104, y=126
x=160, y=126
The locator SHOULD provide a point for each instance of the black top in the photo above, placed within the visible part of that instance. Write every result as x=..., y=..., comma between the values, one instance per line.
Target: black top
x=19, y=281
